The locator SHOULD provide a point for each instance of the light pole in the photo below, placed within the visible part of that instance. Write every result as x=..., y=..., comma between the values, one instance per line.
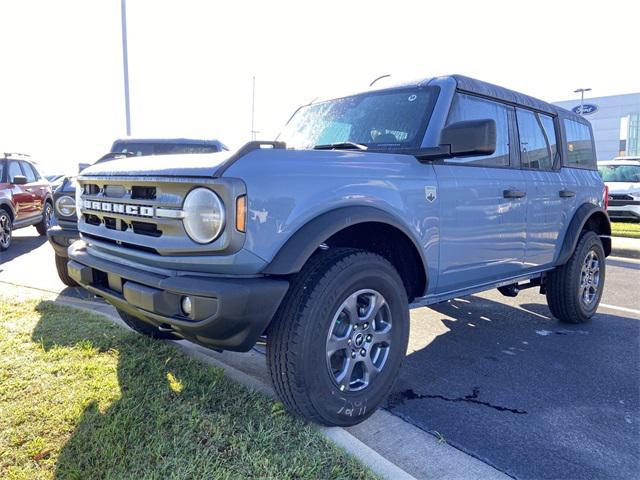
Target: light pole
x=581, y=92
x=253, y=110
x=125, y=61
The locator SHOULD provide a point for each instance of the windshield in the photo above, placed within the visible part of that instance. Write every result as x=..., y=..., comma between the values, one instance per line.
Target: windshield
x=383, y=120
x=620, y=173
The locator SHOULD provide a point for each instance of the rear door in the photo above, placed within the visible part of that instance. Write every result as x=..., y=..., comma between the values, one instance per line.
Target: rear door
x=39, y=187
x=548, y=201
x=483, y=205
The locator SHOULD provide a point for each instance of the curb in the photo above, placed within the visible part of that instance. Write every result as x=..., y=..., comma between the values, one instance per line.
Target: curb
x=625, y=247
x=336, y=435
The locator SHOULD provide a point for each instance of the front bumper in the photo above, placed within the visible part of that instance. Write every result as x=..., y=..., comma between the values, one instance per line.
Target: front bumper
x=624, y=211
x=227, y=313
x=61, y=237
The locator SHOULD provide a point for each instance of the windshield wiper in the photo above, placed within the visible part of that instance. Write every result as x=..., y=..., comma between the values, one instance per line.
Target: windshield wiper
x=341, y=146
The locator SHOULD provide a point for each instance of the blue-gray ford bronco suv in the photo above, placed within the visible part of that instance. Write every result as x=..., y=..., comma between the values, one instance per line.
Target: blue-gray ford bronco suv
x=320, y=242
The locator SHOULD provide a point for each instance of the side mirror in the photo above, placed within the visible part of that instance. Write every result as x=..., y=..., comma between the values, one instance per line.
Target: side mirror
x=463, y=139
x=19, y=180
x=471, y=137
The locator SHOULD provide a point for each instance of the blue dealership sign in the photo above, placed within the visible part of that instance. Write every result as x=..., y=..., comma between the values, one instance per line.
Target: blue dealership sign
x=587, y=109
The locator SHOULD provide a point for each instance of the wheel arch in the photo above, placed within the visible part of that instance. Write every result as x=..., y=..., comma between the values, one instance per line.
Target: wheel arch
x=587, y=217
x=353, y=227
x=5, y=205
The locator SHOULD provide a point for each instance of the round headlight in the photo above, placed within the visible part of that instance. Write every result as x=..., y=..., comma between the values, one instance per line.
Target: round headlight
x=66, y=206
x=203, y=215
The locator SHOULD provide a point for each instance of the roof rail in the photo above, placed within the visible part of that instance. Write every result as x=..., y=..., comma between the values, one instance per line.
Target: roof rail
x=15, y=154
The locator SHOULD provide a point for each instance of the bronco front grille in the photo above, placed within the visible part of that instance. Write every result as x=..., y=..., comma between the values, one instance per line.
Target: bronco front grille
x=145, y=213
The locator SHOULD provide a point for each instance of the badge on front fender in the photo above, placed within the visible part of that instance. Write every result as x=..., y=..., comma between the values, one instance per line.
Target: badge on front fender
x=430, y=193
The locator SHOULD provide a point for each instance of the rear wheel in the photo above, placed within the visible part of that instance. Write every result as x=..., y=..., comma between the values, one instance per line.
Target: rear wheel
x=337, y=341
x=145, y=328
x=63, y=272
x=6, y=230
x=47, y=213
x=574, y=289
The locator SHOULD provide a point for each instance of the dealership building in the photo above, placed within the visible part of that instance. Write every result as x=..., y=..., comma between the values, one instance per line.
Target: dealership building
x=615, y=121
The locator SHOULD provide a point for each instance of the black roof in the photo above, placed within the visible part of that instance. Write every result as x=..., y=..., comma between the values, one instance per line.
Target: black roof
x=486, y=89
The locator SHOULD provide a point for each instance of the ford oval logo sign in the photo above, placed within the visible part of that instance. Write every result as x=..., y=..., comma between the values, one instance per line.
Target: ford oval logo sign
x=587, y=109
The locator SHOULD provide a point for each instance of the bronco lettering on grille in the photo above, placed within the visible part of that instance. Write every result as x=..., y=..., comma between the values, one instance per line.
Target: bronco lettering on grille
x=139, y=210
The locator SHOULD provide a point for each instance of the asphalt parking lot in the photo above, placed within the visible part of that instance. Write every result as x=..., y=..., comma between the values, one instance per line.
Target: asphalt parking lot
x=493, y=376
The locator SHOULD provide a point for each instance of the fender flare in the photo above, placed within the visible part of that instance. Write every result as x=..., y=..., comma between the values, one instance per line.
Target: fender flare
x=306, y=240
x=7, y=204
x=583, y=214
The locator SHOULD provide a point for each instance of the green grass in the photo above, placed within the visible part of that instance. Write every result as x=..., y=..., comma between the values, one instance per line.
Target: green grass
x=625, y=229
x=82, y=398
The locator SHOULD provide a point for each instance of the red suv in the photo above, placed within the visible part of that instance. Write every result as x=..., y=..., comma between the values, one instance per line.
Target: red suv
x=25, y=197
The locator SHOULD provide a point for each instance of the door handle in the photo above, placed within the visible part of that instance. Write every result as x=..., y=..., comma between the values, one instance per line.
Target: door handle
x=513, y=194
x=567, y=194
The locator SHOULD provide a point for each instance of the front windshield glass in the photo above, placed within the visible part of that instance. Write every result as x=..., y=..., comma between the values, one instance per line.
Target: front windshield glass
x=383, y=120
x=620, y=173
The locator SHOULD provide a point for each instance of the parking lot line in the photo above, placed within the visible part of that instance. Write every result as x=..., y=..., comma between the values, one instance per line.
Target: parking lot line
x=622, y=309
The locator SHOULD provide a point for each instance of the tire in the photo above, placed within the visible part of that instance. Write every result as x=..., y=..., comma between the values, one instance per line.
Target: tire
x=63, y=272
x=6, y=230
x=574, y=289
x=145, y=328
x=304, y=374
x=43, y=226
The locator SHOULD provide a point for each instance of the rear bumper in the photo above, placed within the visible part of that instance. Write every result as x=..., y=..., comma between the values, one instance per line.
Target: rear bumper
x=60, y=238
x=227, y=313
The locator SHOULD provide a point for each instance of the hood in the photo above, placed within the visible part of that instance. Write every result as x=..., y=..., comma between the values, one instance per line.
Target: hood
x=183, y=165
x=623, y=187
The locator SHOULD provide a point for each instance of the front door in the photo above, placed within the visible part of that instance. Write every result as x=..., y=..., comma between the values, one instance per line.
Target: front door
x=482, y=205
x=22, y=199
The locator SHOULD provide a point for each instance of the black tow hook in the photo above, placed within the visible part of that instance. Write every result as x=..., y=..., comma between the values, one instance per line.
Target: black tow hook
x=509, y=290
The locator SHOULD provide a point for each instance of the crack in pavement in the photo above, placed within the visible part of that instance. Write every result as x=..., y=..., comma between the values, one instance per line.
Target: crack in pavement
x=398, y=398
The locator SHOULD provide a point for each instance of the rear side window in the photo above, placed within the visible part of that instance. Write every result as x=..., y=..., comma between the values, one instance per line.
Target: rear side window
x=468, y=107
x=579, y=145
x=35, y=171
x=1, y=171
x=14, y=170
x=28, y=172
x=537, y=142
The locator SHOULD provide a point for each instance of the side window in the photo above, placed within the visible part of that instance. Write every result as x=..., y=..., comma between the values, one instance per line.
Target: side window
x=1, y=171
x=35, y=172
x=579, y=145
x=549, y=127
x=535, y=148
x=469, y=107
x=26, y=168
x=14, y=170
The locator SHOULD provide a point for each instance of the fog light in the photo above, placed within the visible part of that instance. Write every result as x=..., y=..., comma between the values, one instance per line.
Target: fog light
x=185, y=303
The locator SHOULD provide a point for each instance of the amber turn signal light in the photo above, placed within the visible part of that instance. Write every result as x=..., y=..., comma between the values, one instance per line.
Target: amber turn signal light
x=241, y=213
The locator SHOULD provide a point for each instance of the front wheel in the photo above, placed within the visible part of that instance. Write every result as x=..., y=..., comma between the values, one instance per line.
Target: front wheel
x=574, y=289
x=337, y=341
x=47, y=214
x=63, y=272
x=6, y=230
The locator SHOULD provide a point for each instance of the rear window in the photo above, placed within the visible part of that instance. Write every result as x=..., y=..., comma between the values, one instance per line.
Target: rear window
x=580, y=152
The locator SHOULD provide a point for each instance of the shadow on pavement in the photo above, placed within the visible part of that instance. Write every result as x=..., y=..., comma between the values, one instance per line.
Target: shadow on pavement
x=21, y=245
x=531, y=396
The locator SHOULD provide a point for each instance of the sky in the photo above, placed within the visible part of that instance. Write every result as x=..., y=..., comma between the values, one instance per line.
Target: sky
x=191, y=62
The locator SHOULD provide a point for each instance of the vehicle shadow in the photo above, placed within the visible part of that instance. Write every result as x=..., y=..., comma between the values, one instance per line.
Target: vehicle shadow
x=21, y=245
x=161, y=414
x=533, y=397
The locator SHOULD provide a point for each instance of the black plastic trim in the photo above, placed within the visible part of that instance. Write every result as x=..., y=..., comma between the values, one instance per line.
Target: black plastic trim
x=302, y=244
x=579, y=220
x=235, y=311
x=245, y=149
